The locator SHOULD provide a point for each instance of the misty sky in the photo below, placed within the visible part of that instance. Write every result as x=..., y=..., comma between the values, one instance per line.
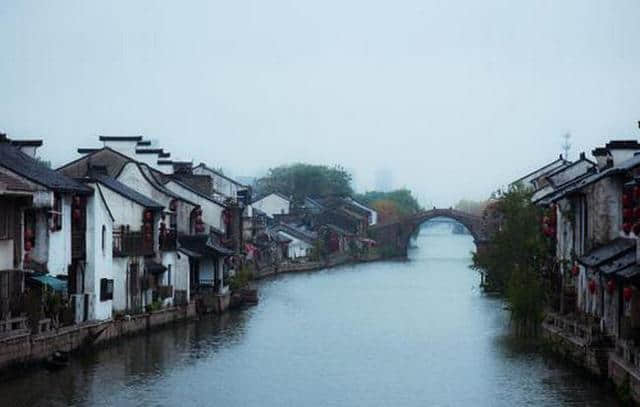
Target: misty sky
x=454, y=98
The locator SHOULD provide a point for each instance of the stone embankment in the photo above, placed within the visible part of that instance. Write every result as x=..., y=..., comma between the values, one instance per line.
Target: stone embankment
x=22, y=347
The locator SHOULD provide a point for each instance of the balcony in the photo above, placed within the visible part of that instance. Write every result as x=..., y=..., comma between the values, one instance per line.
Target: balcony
x=126, y=244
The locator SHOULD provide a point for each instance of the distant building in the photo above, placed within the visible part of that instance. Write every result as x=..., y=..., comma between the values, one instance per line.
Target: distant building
x=273, y=204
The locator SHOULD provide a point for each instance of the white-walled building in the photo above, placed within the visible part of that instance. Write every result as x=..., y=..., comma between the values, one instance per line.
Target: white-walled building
x=273, y=204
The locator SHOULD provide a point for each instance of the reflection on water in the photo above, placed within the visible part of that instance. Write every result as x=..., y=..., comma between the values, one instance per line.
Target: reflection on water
x=401, y=333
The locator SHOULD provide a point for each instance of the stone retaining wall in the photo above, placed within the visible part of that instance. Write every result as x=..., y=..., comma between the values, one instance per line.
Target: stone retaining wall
x=28, y=348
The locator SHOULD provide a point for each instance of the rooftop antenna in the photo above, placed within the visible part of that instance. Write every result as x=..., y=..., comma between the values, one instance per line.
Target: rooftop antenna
x=566, y=145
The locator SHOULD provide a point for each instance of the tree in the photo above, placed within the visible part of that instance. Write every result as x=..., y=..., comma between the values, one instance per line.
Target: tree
x=470, y=206
x=514, y=259
x=387, y=210
x=404, y=203
x=302, y=180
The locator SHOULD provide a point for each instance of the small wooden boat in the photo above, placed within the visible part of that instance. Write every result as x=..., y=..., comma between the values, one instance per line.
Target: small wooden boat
x=57, y=360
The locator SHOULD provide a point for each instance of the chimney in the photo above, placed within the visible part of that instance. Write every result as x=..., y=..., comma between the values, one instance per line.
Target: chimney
x=583, y=156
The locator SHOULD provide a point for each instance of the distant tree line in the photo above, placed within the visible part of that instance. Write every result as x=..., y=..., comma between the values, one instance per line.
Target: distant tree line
x=301, y=180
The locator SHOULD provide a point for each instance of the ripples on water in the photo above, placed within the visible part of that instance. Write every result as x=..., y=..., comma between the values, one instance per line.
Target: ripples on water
x=399, y=333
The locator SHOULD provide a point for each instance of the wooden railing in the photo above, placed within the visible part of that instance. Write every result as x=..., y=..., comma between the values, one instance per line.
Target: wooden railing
x=131, y=244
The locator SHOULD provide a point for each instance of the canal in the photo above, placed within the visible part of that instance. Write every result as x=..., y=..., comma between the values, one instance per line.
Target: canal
x=399, y=333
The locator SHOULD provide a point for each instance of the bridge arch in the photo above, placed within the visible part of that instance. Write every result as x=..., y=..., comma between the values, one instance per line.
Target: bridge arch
x=473, y=223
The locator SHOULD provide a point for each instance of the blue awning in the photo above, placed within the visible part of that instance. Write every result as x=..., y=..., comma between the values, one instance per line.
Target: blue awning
x=54, y=283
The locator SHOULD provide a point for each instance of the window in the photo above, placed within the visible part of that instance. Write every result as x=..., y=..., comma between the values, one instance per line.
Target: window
x=169, y=274
x=104, y=237
x=56, y=213
x=106, y=289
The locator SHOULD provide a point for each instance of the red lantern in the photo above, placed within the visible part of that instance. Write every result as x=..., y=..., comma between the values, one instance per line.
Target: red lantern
x=28, y=234
x=592, y=286
x=626, y=200
x=27, y=245
x=26, y=259
x=626, y=228
x=199, y=228
x=636, y=192
x=627, y=293
x=199, y=219
x=552, y=232
x=148, y=237
x=147, y=228
x=545, y=220
x=575, y=270
x=77, y=214
x=636, y=228
x=611, y=286
x=173, y=205
x=636, y=213
x=148, y=216
x=627, y=214
x=76, y=200
x=197, y=211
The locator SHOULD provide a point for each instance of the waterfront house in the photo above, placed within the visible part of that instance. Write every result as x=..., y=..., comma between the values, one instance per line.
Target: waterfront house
x=598, y=225
x=300, y=240
x=189, y=211
x=55, y=226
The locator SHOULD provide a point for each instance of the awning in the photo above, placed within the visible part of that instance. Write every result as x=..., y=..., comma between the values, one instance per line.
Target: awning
x=613, y=250
x=54, y=283
x=154, y=267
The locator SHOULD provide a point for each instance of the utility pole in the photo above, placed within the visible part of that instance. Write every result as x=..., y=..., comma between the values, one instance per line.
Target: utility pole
x=566, y=145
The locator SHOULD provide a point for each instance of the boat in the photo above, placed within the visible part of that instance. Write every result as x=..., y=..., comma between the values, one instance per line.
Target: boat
x=57, y=360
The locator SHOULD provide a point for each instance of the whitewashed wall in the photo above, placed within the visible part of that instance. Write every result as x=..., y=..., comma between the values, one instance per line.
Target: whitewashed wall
x=6, y=254
x=211, y=211
x=272, y=204
x=99, y=258
x=59, y=250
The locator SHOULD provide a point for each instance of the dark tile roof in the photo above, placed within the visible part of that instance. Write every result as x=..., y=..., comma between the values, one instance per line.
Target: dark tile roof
x=204, y=245
x=107, y=157
x=623, y=145
x=27, y=143
x=12, y=183
x=28, y=167
x=131, y=194
x=220, y=174
x=608, y=252
x=304, y=235
x=124, y=138
x=608, y=172
x=628, y=272
x=542, y=169
x=619, y=263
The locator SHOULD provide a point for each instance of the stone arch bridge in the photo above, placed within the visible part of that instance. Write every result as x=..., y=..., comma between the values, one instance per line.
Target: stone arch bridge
x=396, y=235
